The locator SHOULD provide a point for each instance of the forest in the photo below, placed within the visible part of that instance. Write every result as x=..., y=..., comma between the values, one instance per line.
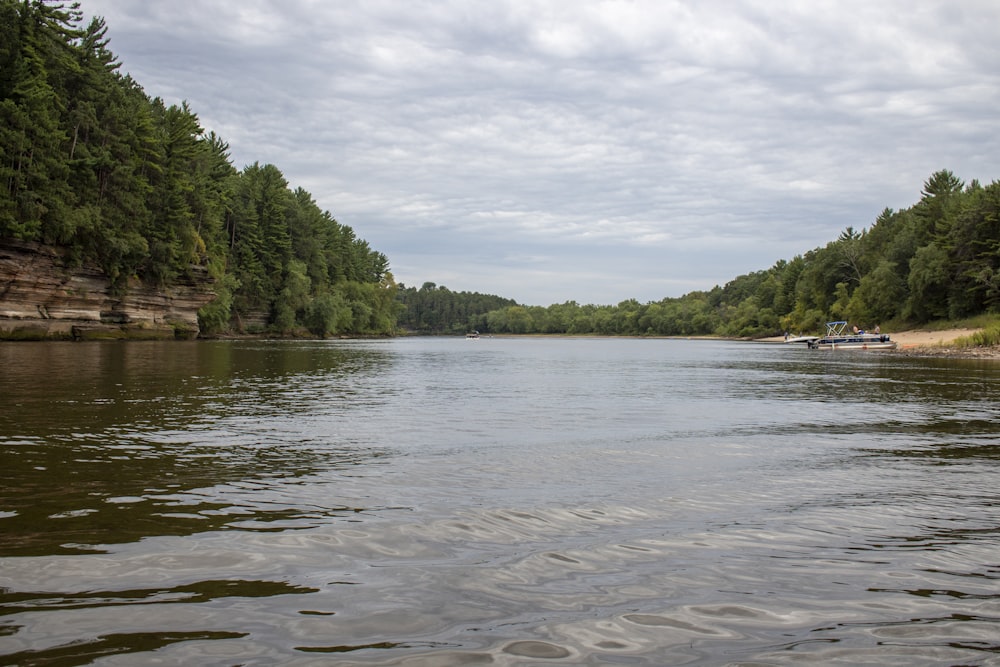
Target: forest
x=937, y=260
x=89, y=162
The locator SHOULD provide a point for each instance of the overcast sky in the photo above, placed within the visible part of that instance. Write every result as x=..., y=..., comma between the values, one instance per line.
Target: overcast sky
x=584, y=150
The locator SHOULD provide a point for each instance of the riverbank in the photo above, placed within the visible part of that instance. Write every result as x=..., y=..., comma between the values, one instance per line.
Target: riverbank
x=920, y=339
x=43, y=296
x=935, y=344
x=941, y=344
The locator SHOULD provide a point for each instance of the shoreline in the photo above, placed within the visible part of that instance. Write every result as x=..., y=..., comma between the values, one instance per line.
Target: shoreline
x=925, y=343
x=914, y=343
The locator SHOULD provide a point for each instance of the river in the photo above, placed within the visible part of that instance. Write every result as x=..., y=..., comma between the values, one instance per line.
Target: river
x=502, y=501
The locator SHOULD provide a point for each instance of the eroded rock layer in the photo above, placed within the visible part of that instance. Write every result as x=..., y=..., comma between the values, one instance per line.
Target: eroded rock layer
x=42, y=298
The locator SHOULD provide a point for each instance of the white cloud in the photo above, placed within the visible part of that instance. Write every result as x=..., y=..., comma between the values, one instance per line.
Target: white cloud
x=615, y=149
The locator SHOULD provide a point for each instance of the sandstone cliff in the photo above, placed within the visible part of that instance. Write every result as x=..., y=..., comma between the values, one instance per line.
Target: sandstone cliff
x=41, y=298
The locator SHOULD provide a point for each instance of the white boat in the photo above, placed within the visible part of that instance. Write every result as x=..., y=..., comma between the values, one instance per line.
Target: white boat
x=838, y=338
x=472, y=336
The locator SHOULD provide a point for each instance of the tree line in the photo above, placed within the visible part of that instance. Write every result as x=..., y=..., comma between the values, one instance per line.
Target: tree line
x=434, y=309
x=91, y=163
x=938, y=259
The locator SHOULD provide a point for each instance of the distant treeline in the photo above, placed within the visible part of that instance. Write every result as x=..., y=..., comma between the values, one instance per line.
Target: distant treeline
x=938, y=259
x=91, y=163
x=438, y=310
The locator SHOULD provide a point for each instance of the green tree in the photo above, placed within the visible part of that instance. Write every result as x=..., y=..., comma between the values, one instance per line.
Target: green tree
x=879, y=297
x=328, y=314
x=90, y=163
x=37, y=202
x=928, y=283
x=294, y=297
x=850, y=246
x=936, y=206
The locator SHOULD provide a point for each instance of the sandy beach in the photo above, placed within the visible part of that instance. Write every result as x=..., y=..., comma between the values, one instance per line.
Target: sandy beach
x=915, y=338
x=910, y=339
x=936, y=343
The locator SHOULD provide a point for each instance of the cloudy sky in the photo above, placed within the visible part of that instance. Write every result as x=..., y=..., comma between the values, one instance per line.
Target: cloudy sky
x=584, y=150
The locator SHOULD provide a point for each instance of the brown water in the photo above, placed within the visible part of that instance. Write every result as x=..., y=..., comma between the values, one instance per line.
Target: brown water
x=500, y=501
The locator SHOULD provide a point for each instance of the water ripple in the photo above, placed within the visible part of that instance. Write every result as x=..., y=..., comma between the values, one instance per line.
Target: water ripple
x=430, y=502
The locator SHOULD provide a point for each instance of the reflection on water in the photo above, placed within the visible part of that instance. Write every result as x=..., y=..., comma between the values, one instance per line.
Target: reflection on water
x=112, y=644
x=117, y=442
x=452, y=502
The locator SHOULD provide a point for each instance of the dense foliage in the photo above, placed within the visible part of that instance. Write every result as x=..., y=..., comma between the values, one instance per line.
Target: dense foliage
x=438, y=310
x=91, y=163
x=939, y=259
x=88, y=161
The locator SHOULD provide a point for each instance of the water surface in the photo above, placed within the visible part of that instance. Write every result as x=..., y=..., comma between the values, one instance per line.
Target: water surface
x=499, y=501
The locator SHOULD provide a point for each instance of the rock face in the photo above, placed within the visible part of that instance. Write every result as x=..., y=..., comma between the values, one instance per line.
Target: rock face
x=41, y=299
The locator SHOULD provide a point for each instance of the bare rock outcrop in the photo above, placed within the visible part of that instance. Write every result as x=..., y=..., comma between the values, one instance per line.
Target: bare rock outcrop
x=42, y=298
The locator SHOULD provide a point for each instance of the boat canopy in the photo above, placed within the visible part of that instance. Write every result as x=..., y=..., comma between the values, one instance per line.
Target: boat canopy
x=836, y=328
